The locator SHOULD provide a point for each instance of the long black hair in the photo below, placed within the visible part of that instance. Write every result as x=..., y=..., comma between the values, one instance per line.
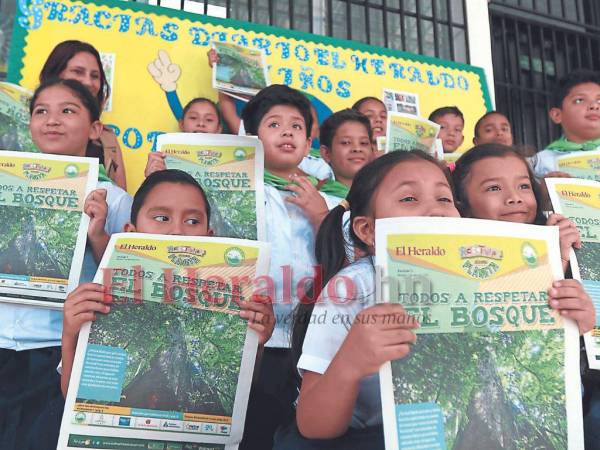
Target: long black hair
x=330, y=246
x=59, y=59
x=464, y=164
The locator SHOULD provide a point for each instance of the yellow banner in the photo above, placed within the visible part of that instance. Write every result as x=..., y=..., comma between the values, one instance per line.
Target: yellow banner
x=478, y=257
x=185, y=254
x=129, y=36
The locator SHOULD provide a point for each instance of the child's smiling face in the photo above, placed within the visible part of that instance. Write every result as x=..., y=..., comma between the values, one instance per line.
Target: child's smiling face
x=579, y=115
x=495, y=128
x=282, y=132
x=160, y=214
x=499, y=188
x=414, y=188
x=377, y=115
x=201, y=117
x=84, y=68
x=60, y=124
x=351, y=150
x=451, y=131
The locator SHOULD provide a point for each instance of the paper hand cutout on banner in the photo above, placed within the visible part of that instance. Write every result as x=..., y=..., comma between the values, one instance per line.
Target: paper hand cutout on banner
x=164, y=72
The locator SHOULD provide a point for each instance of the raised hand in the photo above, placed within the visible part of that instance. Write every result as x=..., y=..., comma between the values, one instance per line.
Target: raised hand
x=156, y=163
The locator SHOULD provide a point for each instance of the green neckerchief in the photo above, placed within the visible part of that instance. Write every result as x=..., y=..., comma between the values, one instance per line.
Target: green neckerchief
x=315, y=152
x=565, y=145
x=102, y=174
x=335, y=188
x=281, y=183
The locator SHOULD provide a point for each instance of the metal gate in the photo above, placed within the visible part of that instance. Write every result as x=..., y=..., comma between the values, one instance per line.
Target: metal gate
x=535, y=43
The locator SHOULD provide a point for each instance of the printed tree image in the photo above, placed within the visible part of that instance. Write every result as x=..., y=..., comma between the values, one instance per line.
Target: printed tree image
x=233, y=213
x=179, y=358
x=496, y=391
x=15, y=136
x=37, y=242
x=588, y=258
x=236, y=69
x=14, y=125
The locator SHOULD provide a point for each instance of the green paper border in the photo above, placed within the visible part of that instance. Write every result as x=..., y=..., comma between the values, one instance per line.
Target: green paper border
x=17, y=48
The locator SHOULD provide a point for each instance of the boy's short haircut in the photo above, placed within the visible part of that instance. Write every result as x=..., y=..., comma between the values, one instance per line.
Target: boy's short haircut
x=364, y=100
x=164, y=176
x=201, y=100
x=268, y=98
x=573, y=79
x=330, y=125
x=485, y=116
x=437, y=113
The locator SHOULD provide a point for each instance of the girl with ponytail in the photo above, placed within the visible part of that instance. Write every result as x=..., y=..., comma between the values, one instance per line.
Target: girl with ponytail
x=345, y=337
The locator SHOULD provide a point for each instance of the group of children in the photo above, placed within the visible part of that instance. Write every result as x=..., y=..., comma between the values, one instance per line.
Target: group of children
x=313, y=225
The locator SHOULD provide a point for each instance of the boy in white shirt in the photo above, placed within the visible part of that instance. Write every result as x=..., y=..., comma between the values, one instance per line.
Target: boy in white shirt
x=577, y=110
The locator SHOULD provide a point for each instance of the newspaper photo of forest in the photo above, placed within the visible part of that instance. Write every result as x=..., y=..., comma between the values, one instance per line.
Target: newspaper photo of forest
x=588, y=257
x=233, y=213
x=238, y=67
x=180, y=358
x=14, y=125
x=37, y=242
x=496, y=391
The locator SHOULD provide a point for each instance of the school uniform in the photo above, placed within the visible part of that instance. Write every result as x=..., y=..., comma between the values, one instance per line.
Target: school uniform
x=545, y=161
x=331, y=320
x=292, y=239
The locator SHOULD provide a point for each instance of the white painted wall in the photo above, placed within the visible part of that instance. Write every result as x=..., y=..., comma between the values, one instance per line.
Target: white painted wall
x=480, y=42
x=193, y=7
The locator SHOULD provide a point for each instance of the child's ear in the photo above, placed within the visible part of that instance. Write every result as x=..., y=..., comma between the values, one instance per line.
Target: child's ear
x=364, y=228
x=95, y=130
x=180, y=123
x=308, y=144
x=555, y=115
x=210, y=232
x=325, y=154
x=220, y=129
x=129, y=228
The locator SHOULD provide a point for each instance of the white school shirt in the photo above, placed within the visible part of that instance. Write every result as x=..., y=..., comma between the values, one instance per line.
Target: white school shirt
x=545, y=161
x=292, y=239
x=24, y=327
x=329, y=325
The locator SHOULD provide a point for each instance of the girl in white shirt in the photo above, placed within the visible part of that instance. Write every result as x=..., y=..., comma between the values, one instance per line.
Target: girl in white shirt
x=347, y=340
